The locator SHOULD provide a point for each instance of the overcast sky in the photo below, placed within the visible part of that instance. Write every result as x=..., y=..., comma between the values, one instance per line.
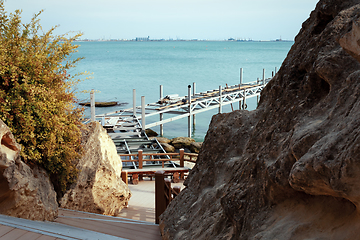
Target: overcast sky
x=186, y=19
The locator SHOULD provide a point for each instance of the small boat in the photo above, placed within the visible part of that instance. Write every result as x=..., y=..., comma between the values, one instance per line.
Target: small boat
x=100, y=104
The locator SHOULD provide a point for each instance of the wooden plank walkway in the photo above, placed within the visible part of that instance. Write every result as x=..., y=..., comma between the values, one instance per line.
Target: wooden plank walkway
x=142, y=201
x=78, y=225
x=114, y=226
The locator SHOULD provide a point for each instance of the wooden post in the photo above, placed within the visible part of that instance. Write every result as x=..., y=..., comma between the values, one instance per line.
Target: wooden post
x=161, y=114
x=167, y=190
x=143, y=113
x=241, y=76
x=140, y=156
x=220, y=100
x=182, y=163
x=189, y=117
x=134, y=102
x=182, y=151
x=160, y=202
x=124, y=177
x=177, y=190
x=275, y=70
x=92, y=105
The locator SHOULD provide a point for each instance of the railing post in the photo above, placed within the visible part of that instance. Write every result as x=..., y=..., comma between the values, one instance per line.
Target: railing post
x=189, y=118
x=161, y=114
x=140, y=157
x=220, y=100
x=194, y=92
x=182, y=151
x=177, y=190
x=143, y=123
x=124, y=177
x=263, y=76
x=92, y=105
x=182, y=163
x=160, y=202
x=241, y=76
x=134, y=102
x=244, y=100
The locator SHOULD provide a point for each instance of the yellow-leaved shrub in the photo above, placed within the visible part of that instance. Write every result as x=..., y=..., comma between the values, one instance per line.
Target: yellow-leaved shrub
x=36, y=97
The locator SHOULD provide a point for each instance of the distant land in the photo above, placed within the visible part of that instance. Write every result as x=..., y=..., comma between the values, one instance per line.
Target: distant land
x=148, y=39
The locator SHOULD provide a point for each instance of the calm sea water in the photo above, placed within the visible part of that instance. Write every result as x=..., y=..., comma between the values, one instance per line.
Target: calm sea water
x=120, y=67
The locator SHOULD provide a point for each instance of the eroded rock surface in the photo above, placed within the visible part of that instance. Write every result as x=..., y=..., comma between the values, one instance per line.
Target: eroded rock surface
x=24, y=192
x=99, y=188
x=291, y=168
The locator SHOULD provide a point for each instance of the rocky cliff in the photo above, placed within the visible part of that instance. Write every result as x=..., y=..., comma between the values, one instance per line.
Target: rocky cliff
x=291, y=168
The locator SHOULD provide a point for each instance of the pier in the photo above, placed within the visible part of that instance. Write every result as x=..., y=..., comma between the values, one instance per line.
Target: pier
x=180, y=107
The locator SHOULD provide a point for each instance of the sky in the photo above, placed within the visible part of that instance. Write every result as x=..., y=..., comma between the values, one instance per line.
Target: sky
x=176, y=19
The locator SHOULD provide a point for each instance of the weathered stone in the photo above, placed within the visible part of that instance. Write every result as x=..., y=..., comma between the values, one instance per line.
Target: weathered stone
x=162, y=139
x=290, y=168
x=182, y=142
x=99, y=188
x=168, y=148
x=195, y=147
x=24, y=192
x=151, y=133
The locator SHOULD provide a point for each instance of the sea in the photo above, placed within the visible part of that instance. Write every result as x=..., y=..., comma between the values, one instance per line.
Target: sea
x=118, y=67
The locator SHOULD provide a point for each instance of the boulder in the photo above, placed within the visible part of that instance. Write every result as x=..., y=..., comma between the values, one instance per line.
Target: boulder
x=151, y=133
x=182, y=142
x=289, y=169
x=24, y=192
x=99, y=188
x=195, y=147
x=162, y=139
x=168, y=148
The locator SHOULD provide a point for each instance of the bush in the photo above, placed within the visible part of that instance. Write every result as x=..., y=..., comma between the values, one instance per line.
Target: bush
x=36, y=97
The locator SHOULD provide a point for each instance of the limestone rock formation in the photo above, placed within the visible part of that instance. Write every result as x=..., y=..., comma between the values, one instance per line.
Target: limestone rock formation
x=195, y=147
x=99, y=188
x=162, y=139
x=168, y=148
x=182, y=142
x=291, y=168
x=24, y=192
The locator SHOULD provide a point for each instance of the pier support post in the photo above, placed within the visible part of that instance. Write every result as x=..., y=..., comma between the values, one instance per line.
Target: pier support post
x=92, y=105
x=134, y=102
x=241, y=76
x=143, y=112
x=244, y=101
x=263, y=76
x=189, y=118
x=161, y=114
x=194, y=92
x=220, y=100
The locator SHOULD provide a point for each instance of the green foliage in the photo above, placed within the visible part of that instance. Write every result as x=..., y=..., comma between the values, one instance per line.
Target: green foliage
x=36, y=97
